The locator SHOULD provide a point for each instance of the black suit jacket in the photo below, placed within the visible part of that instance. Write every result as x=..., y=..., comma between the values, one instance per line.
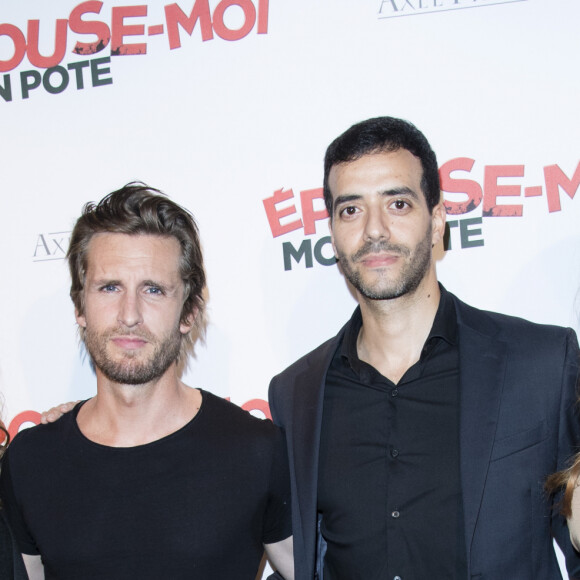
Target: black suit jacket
x=518, y=423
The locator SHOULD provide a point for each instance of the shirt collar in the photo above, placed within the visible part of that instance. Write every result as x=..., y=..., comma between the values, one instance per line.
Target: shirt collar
x=445, y=322
x=444, y=327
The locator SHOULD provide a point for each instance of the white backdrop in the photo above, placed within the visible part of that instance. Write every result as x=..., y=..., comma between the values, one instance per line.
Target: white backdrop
x=243, y=108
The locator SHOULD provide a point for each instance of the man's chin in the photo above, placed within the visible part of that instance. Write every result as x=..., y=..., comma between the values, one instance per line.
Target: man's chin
x=377, y=288
x=130, y=377
x=377, y=295
x=129, y=371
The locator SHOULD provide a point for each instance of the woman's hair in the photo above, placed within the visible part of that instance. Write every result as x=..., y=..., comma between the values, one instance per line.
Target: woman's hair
x=567, y=479
x=4, y=439
x=4, y=435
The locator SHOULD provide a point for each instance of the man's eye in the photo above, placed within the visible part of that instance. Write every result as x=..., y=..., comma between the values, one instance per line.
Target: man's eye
x=400, y=204
x=350, y=210
x=108, y=288
x=154, y=290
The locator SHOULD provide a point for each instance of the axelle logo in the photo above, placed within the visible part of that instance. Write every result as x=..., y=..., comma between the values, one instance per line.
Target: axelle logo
x=461, y=232
x=51, y=246
x=396, y=8
x=120, y=34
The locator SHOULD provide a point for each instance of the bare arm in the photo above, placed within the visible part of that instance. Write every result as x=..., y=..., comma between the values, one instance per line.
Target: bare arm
x=33, y=566
x=281, y=557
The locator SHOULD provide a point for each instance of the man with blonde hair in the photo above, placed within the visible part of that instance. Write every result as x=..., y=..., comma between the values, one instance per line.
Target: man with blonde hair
x=149, y=478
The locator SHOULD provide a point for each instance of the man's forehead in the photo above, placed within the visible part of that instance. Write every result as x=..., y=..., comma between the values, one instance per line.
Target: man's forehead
x=399, y=163
x=115, y=248
x=105, y=239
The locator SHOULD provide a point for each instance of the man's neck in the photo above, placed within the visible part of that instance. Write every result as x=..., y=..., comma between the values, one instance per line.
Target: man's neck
x=394, y=331
x=131, y=415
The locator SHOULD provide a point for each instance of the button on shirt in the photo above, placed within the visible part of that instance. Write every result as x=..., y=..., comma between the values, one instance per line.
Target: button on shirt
x=389, y=486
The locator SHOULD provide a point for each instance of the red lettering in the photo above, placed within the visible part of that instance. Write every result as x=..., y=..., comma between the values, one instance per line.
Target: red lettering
x=492, y=190
x=468, y=187
x=227, y=33
x=556, y=178
x=258, y=405
x=20, y=419
x=34, y=56
x=263, y=14
x=19, y=41
x=175, y=17
x=120, y=30
x=274, y=215
x=80, y=26
x=309, y=215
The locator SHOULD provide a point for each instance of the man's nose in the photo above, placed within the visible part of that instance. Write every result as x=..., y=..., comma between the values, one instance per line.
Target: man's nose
x=130, y=310
x=376, y=225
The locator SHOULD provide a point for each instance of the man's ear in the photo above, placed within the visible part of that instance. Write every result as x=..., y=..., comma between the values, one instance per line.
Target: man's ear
x=438, y=218
x=185, y=327
x=80, y=318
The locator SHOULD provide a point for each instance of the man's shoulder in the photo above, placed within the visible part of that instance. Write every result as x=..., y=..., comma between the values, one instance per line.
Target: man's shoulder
x=306, y=374
x=39, y=445
x=321, y=354
x=44, y=435
x=510, y=327
x=225, y=414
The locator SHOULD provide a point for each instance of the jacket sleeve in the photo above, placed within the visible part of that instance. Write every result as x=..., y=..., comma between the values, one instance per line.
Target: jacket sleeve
x=568, y=445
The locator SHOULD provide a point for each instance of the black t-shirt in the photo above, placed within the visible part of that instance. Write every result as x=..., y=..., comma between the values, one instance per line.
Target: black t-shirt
x=198, y=503
x=11, y=565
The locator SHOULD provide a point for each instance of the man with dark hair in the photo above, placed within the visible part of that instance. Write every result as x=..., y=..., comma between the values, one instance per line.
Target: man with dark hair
x=150, y=478
x=420, y=436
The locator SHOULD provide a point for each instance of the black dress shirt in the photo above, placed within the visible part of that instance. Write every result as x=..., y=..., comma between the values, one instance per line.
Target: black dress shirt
x=389, y=486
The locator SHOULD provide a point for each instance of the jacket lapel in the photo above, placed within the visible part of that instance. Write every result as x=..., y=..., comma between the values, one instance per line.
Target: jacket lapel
x=482, y=363
x=306, y=426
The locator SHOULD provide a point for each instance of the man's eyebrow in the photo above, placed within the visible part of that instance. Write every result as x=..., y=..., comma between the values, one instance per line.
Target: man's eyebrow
x=106, y=282
x=406, y=191
x=346, y=198
x=151, y=282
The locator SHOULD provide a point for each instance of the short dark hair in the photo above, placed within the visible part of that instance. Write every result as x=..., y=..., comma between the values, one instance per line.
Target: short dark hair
x=139, y=209
x=382, y=134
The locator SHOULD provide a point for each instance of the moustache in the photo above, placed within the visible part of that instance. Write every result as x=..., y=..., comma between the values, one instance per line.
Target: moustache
x=378, y=248
x=120, y=332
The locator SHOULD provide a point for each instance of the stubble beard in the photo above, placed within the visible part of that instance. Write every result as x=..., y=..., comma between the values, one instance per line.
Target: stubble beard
x=129, y=370
x=408, y=281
